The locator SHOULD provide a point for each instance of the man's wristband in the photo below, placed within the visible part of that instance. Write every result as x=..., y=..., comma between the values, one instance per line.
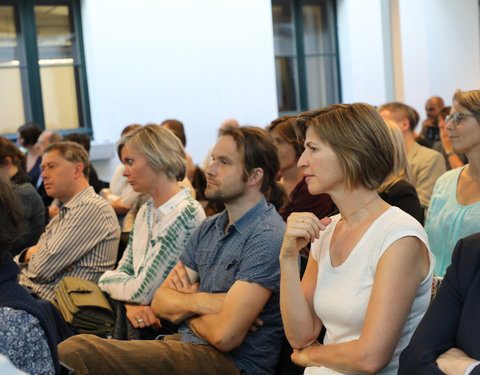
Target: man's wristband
x=471, y=367
x=450, y=154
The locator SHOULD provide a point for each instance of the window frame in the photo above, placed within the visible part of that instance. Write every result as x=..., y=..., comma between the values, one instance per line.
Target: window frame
x=300, y=56
x=24, y=15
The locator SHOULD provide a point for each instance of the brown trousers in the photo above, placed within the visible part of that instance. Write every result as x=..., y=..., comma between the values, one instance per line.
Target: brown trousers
x=88, y=354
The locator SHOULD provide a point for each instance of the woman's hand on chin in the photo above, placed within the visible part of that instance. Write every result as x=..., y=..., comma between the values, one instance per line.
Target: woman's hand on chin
x=302, y=228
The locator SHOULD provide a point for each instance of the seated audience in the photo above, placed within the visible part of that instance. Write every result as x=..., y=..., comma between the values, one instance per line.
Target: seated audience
x=454, y=211
x=396, y=189
x=369, y=274
x=447, y=339
x=33, y=211
x=426, y=165
x=82, y=239
x=291, y=176
x=224, y=289
x=26, y=329
x=27, y=138
x=444, y=145
x=154, y=161
x=83, y=139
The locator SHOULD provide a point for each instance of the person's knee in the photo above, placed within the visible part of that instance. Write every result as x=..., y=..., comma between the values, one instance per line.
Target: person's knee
x=74, y=351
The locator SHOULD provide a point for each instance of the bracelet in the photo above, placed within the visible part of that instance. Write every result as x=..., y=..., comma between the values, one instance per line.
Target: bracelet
x=471, y=367
x=450, y=154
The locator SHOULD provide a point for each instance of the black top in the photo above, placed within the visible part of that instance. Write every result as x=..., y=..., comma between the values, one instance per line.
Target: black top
x=453, y=318
x=403, y=195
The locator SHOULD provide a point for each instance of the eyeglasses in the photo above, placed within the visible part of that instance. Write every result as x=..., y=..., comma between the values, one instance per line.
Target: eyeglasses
x=457, y=118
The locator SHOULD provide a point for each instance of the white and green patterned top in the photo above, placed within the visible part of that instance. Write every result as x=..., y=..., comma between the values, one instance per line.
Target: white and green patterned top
x=157, y=239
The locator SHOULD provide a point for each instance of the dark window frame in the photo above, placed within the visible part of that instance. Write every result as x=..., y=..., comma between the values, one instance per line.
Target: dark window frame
x=30, y=70
x=300, y=56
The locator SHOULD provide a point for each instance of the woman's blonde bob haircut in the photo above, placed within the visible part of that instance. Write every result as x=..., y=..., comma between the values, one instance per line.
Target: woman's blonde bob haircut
x=358, y=136
x=162, y=149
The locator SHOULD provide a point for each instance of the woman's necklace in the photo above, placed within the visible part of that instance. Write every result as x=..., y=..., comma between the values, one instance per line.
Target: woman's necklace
x=359, y=208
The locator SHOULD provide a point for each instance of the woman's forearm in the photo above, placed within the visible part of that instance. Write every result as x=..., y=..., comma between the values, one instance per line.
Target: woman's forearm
x=301, y=328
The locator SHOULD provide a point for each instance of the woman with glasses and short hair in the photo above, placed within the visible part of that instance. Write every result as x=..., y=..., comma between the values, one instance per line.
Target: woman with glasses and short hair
x=454, y=210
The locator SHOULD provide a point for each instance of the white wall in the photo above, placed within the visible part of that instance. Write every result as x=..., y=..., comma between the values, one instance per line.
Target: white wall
x=361, y=49
x=440, y=48
x=197, y=61
x=422, y=47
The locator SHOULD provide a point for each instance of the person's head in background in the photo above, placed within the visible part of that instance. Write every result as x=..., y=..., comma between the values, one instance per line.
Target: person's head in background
x=28, y=134
x=229, y=123
x=402, y=114
x=289, y=147
x=11, y=158
x=176, y=127
x=83, y=139
x=433, y=107
x=47, y=138
x=129, y=128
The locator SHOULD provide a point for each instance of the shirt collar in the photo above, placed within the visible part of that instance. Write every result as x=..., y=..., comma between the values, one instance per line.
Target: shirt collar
x=78, y=198
x=172, y=203
x=246, y=220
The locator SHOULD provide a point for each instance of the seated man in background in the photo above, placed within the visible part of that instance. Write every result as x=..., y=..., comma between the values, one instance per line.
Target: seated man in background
x=82, y=239
x=224, y=290
x=426, y=165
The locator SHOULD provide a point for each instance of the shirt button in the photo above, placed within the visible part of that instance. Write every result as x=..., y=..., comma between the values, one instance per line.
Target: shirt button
x=211, y=269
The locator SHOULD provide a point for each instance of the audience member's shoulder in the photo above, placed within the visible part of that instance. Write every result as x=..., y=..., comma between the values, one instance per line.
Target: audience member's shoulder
x=269, y=222
x=92, y=201
x=430, y=152
x=450, y=175
x=395, y=218
x=470, y=249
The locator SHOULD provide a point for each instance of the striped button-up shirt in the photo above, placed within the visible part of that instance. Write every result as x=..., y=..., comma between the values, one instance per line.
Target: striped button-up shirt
x=85, y=234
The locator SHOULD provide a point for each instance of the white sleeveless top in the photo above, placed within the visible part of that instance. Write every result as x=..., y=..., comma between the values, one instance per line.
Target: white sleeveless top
x=342, y=293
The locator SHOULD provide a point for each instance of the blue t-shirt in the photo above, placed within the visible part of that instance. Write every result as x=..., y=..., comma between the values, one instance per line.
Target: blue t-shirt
x=247, y=252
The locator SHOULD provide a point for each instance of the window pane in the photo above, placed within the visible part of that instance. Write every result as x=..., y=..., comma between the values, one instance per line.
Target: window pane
x=54, y=36
x=322, y=81
x=318, y=32
x=283, y=28
x=59, y=97
x=55, y=41
x=286, y=71
x=11, y=98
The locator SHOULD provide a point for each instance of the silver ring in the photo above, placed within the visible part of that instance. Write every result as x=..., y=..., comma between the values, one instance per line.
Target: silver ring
x=140, y=321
